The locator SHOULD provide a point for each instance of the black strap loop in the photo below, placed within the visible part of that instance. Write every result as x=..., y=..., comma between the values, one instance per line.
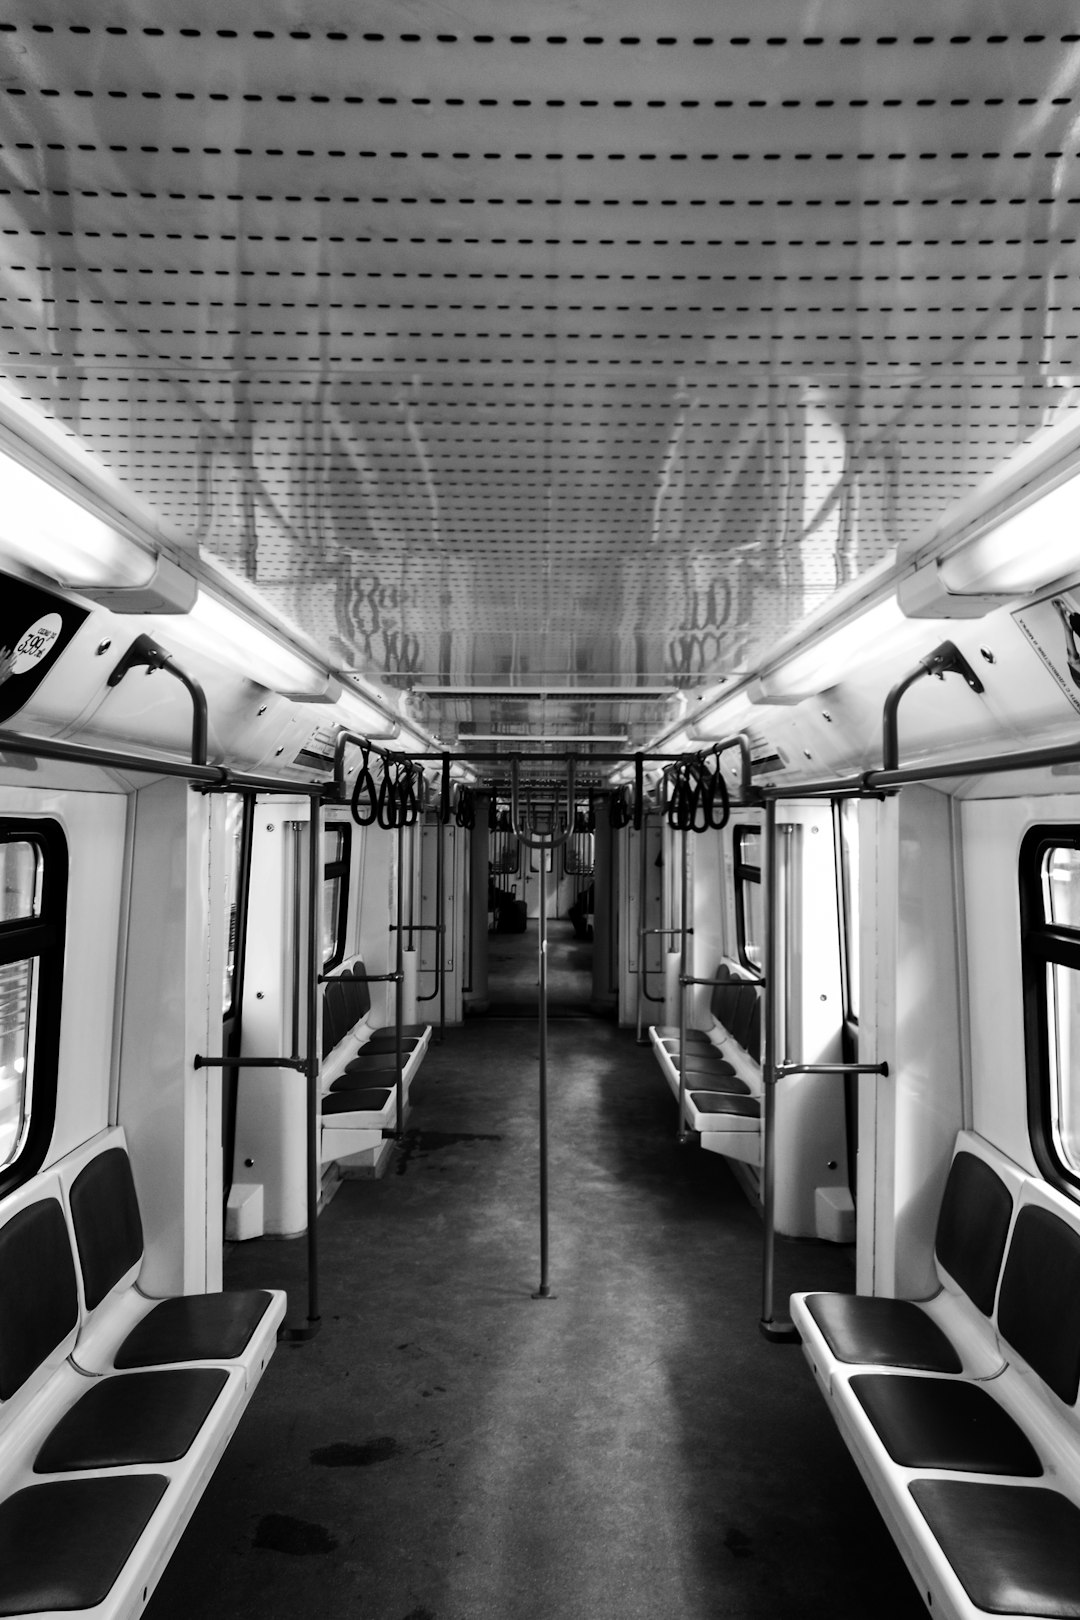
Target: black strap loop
x=365, y=796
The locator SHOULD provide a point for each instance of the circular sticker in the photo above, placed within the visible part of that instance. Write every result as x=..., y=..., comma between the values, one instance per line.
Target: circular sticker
x=36, y=643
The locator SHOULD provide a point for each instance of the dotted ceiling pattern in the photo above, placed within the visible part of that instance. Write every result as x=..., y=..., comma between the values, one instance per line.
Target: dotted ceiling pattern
x=572, y=345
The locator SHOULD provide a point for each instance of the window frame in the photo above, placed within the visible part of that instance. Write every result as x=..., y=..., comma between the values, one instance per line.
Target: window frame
x=847, y=909
x=744, y=872
x=338, y=868
x=1042, y=945
x=40, y=939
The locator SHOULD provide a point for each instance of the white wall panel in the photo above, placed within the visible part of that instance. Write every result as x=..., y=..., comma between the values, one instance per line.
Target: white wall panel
x=172, y=1009
x=909, y=966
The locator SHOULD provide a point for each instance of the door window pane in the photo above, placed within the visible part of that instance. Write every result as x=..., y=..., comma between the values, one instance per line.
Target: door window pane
x=20, y=881
x=1063, y=999
x=234, y=828
x=16, y=1003
x=749, y=898
x=849, y=864
x=335, y=907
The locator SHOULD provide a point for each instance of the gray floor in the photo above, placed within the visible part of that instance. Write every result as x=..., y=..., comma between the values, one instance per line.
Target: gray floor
x=449, y=1448
x=513, y=972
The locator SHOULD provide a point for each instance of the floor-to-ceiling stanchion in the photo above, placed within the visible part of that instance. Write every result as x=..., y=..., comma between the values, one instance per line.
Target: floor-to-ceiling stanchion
x=776, y=1328
x=523, y=825
x=544, y=1290
x=313, y=1055
x=683, y=1136
x=399, y=986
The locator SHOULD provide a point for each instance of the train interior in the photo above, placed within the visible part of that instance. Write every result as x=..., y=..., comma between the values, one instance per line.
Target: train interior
x=539, y=825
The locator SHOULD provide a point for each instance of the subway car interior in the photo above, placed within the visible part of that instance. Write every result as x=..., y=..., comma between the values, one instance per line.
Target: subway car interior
x=539, y=809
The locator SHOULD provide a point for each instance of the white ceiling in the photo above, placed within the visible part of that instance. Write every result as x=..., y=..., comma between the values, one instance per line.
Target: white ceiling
x=561, y=345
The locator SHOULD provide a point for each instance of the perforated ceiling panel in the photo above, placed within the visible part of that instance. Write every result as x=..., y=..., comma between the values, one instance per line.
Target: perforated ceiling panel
x=588, y=344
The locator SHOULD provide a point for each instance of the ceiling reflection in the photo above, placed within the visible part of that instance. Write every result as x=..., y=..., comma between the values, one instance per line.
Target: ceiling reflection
x=499, y=363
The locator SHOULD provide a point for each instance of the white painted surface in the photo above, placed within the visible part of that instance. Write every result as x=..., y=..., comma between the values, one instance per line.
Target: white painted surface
x=172, y=1010
x=912, y=1024
x=271, y=1114
x=810, y=1142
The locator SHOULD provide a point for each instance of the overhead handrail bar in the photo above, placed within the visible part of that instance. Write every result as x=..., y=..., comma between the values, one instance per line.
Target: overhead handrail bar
x=145, y=652
x=946, y=659
x=210, y=778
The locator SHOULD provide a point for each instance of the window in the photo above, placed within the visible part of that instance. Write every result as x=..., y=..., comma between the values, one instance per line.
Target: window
x=235, y=818
x=336, y=846
x=847, y=856
x=33, y=899
x=749, y=898
x=1050, y=928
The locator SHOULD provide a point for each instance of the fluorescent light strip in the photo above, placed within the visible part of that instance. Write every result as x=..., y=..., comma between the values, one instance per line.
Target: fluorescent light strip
x=46, y=530
x=1027, y=550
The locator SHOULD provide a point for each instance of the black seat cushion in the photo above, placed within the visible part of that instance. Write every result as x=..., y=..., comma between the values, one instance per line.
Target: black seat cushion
x=37, y=1287
x=694, y=1037
x=711, y=1076
x=741, y=1015
x=1015, y=1548
x=387, y=1043
x=358, y=1100
x=705, y=1053
x=195, y=1327
x=973, y=1226
x=145, y=1417
x=62, y=1544
x=105, y=1215
x=382, y=1030
x=717, y=1102
x=361, y=1079
x=944, y=1423
x=882, y=1332
x=720, y=1000
x=1039, y=1306
x=377, y=1063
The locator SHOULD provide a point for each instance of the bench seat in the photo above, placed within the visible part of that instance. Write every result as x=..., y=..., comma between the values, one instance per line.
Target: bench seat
x=361, y=1058
x=123, y=1328
x=100, y=1468
x=719, y=1073
x=961, y=1411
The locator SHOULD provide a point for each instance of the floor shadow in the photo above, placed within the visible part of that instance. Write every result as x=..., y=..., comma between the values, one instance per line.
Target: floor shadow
x=513, y=973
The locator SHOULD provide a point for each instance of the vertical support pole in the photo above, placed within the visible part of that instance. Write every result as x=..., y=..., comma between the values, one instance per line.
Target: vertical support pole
x=399, y=985
x=682, y=1135
x=544, y=1290
x=311, y=1065
x=780, y=1329
x=479, y=851
x=643, y=918
x=440, y=921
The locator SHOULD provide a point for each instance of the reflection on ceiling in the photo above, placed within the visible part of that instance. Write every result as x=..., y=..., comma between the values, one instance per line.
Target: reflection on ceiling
x=572, y=345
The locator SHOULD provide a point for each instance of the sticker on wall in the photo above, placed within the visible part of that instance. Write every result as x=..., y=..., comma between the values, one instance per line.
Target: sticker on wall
x=35, y=627
x=1053, y=628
